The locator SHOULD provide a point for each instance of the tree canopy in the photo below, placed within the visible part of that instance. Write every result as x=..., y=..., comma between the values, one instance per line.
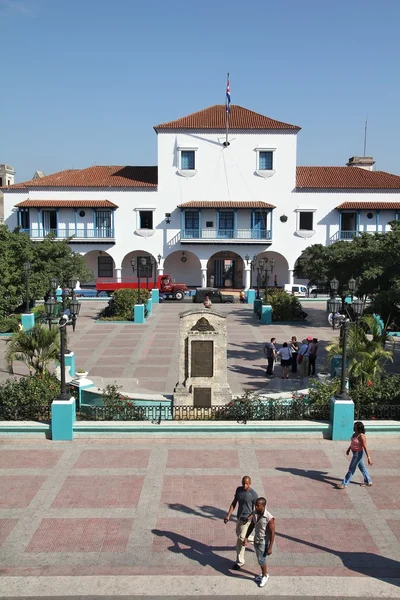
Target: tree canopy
x=48, y=258
x=372, y=259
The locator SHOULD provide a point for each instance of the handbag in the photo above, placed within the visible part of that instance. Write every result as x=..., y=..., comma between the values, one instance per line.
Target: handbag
x=299, y=359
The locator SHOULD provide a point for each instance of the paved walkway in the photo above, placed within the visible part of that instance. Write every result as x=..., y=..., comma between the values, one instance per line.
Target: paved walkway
x=142, y=516
x=144, y=358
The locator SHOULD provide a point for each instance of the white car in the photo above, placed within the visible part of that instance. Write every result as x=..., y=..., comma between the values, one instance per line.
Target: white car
x=296, y=290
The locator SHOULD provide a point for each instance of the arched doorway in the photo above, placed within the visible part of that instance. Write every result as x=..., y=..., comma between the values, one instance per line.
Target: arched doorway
x=278, y=276
x=148, y=267
x=101, y=263
x=183, y=267
x=225, y=270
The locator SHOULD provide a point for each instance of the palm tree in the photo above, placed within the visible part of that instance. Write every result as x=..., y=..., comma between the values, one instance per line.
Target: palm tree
x=366, y=350
x=36, y=348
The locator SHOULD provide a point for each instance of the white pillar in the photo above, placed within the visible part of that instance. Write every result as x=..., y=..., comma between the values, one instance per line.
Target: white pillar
x=160, y=270
x=247, y=277
x=118, y=274
x=204, y=277
x=290, y=276
x=78, y=285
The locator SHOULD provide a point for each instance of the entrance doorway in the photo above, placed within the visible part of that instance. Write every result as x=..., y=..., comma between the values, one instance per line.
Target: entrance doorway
x=224, y=273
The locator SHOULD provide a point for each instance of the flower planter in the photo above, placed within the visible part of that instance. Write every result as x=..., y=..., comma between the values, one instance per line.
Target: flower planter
x=81, y=375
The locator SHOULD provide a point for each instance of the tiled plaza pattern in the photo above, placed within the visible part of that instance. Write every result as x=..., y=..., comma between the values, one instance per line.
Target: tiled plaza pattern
x=155, y=506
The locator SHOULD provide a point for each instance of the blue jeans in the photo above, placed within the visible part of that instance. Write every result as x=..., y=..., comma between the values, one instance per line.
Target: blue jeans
x=357, y=461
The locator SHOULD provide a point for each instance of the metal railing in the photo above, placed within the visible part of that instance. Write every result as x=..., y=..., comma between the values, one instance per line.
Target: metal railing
x=25, y=412
x=78, y=232
x=268, y=411
x=226, y=234
x=389, y=412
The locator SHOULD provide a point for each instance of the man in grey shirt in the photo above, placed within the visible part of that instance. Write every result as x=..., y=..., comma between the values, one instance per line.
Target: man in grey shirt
x=245, y=497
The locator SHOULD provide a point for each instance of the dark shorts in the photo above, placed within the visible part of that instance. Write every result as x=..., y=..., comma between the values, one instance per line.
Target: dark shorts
x=286, y=362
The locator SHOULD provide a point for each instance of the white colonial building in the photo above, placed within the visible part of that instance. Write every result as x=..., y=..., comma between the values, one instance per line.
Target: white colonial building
x=212, y=203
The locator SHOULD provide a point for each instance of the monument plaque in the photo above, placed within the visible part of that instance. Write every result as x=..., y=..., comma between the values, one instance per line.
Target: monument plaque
x=201, y=397
x=202, y=364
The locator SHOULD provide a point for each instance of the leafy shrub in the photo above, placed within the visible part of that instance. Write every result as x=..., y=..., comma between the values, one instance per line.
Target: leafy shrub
x=36, y=390
x=284, y=306
x=118, y=406
x=9, y=324
x=120, y=307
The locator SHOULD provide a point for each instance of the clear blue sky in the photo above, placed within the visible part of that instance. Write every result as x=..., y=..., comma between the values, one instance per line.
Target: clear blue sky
x=84, y=81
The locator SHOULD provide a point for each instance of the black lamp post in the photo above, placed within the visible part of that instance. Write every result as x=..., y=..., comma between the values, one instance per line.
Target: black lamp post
x=50, y=305
x=153, y=266
x=27, y=269
x=65, y=320
x=334, y=305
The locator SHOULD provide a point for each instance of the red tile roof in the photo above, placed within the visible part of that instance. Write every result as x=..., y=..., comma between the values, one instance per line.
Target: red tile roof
x=217, y=204
x=99, y=177
x=214, y=117
x=345, y=178
x=369, y=206
x=66, y=204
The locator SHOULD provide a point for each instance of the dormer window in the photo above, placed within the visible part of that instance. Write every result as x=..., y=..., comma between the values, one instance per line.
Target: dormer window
x=265, y=162
x=187, y=162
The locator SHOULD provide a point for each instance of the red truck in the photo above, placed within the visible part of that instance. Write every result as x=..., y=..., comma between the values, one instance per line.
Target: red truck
x=164, y=283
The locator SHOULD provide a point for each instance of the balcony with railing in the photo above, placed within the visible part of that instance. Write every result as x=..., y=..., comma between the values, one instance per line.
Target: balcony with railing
x=84, y=233
x=222, y=235
x=348, y=235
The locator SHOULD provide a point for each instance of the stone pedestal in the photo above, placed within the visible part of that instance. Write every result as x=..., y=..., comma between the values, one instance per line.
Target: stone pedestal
x=342, y=418
x=149, y=307
x=257, y=305
x=266, y=314
x=81, y=383
x=63, y=417
x=251, y=296
x=155, y=295
x=28, y=321
x=202, y=360
x=138, y=313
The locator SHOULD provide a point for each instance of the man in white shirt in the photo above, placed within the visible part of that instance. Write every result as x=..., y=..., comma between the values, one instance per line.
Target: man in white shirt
x=263, y=524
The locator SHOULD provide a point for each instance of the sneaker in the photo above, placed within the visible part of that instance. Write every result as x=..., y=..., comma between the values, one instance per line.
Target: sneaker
x=236, y=567
x=258, y=578
x=263, y=581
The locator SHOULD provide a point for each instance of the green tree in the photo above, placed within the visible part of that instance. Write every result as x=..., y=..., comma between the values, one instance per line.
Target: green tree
x=36, y=348
x=366, y=351
x=48, y=258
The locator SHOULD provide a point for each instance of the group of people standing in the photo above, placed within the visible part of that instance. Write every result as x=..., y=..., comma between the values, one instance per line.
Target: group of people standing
x=293, y=356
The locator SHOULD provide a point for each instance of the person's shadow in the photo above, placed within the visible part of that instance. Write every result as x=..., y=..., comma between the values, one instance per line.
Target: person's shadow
x=312, y=474
x=365, y=563
x=205, y=555
x=211, y=512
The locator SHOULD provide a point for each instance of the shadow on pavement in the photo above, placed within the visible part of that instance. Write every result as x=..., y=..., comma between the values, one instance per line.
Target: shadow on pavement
x=310, y=474
x=203, y=554
x=365, y=563
x=211, y=511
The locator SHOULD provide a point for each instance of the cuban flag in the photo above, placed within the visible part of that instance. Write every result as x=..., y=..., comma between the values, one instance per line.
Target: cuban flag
x=228, y=96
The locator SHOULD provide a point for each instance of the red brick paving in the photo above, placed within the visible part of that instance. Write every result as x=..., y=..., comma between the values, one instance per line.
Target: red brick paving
x=385, y=491
x=395, y=527
x=194, y=533
x=159, y=372
x=107, y=459
x=81, y=535
x=301, y=459
x=102, y=491
x=303, y=492
x=6, y=527
x=385, y=460
x=205, y=459
x=37, y=459
x=111, y=372
x=198, y=490
x=328, y=535
x=18, y=491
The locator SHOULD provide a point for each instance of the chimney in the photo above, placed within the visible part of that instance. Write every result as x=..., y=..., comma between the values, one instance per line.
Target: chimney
x=362, y=162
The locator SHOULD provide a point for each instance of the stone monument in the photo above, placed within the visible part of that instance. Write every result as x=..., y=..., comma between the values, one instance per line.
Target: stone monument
x=203, y=364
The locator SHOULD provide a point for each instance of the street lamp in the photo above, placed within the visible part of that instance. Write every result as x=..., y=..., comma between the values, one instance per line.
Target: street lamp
x=334, y=305
x=50, y=305
x=27, y=269
x=153, y=266
x=66, y=320
x=263, y=272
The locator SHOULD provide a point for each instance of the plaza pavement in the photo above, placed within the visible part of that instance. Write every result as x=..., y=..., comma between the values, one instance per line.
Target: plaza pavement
x=142, y=516
x=144, y=358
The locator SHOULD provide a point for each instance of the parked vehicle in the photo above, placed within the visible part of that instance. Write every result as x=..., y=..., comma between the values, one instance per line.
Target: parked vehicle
x=214, y=295
x=315, y=292
x=296, y=290
x=164, y=283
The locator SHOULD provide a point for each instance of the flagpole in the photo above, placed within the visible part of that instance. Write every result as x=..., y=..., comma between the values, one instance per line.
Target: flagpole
x=227, y=107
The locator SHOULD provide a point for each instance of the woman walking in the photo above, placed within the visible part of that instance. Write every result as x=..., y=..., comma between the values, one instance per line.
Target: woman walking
x=286, y=360
x=358, y=446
